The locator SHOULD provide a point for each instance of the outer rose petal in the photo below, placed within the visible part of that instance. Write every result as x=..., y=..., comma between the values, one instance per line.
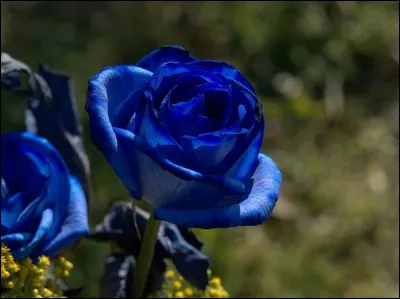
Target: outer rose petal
x=166, y=184
x=251, y=211
x=74, y=226
x=156, y=58
x=46, y=221
x=111, y=91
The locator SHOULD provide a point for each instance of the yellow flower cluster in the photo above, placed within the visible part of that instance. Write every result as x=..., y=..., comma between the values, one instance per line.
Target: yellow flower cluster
x=24, y=279
x=176, y=287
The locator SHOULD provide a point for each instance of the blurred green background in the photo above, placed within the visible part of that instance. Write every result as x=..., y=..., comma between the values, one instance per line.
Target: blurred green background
x=327, y=73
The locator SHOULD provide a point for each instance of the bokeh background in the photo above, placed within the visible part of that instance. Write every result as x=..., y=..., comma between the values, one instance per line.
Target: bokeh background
x=327, y=74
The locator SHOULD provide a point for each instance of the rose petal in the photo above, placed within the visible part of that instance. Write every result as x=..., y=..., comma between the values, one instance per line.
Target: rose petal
x=108, y=94
x=250, y=145
x=195, y=105
x=16, y=240
x=226, y=70
x=157, y=136
x=178, y=122
x=19, y=158
x=12, y=207
x=5, y=193
x=74, y=226
x=254, y=210
x=244, y=165
x=45, y=224
x=178, y=74
x=164, y=182
x=207, y=151
x=158, y=57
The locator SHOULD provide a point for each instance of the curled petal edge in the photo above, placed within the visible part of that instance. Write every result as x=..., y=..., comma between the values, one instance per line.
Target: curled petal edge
x=158, y=57
x=254, y=210
x=98, y=100
x=101, y=129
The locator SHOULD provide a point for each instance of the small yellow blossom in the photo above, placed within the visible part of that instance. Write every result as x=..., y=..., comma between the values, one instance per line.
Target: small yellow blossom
x=215, y=282
x=44, y=261
x=169, y=274
x=188, y=292
x=176, y=287
x=68, y=265
x=47, y=293
x=4, y=273
x=9, y=285
x=23, y=279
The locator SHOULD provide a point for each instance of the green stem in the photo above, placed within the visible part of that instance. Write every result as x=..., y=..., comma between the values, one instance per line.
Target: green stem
x=145, y=257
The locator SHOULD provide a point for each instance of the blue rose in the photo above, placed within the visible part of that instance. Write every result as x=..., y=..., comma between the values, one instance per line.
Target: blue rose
x=43, y=207
x=185, y=134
